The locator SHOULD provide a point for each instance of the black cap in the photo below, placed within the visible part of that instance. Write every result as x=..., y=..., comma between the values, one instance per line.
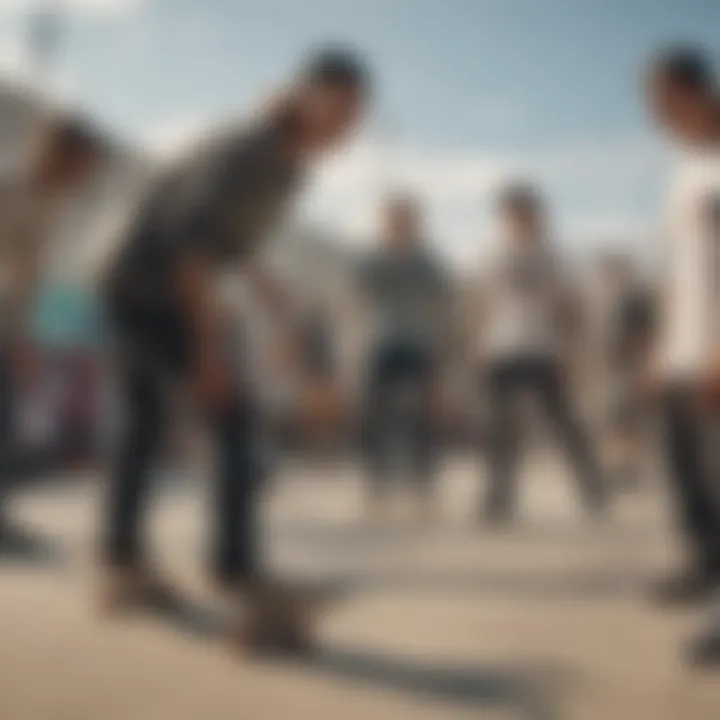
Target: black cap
x=71, y=133
x=689, y=67
x=337, y=66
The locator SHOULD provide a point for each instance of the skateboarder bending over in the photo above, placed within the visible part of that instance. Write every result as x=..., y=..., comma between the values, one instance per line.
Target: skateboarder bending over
x=204, y=216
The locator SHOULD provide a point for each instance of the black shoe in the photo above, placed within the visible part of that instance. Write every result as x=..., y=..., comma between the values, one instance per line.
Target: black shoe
x=705, y=651
x=627, y=479
x=687, y=588
x=498, y=518
x=124, y=589
x=598, y=509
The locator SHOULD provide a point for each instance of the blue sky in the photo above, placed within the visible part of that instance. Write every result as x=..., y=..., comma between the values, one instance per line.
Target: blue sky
x=469, y=91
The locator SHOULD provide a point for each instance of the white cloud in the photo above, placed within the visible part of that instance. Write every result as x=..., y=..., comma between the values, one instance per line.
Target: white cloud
x=15, y=59
x=13, y=54
x=88, y=7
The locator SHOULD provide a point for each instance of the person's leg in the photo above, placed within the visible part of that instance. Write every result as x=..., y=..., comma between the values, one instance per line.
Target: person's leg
x=626, y=437
x=695, y=498
x=553, y=392
x=236, y=505
x=274, y=615
x=6, y=439
x=425, y=441
x=502, y=448
x=142, y=426
x=704, y=650
x=377, y=425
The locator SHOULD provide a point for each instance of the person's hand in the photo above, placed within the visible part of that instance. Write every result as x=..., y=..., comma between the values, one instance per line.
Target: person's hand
x=287, y=355
x=709, y=385
x=650, y=383
x=440, y=404
x=212, y=384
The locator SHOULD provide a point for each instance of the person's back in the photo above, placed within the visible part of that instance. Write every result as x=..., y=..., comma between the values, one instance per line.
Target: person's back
x=219, y=201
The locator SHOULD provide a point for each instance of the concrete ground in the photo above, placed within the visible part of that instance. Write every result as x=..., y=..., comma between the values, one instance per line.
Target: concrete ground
x=441, y=620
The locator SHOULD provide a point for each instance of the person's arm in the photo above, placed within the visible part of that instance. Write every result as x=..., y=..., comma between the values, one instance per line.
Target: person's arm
x=211, y=375
x=445, y=298
x=23, y=278
x=477, y=311
x=570, y=320
x=275, y=298
x=710, y=382
x=271, y=292
x=203, y=211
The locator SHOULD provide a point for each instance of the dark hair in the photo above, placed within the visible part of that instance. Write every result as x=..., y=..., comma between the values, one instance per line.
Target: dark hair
x=520, y=196
x=685, y=66
x=70, y=134
x=337, y=66
x=402, y=202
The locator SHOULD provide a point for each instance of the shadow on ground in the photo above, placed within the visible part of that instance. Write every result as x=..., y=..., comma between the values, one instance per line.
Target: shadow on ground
x=530, y=692
x=23, y=546
x=533, y=692
x=521, y=583
x=361, y=535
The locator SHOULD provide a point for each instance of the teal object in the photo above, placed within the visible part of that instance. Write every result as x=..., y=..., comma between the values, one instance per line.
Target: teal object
x=66, y=316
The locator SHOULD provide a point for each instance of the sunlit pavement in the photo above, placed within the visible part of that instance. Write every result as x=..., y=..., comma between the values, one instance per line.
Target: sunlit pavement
x=441, y=619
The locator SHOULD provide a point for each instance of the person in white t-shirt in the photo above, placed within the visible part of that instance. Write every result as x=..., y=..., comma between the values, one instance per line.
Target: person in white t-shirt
x=31, y=205
x=521, y=345
x=686, y=368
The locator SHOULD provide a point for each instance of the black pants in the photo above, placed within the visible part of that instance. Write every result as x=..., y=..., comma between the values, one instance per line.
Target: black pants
x=155, y=355
x=7, y=435
x=399, y=414
x=691, y=440
x=507, y=380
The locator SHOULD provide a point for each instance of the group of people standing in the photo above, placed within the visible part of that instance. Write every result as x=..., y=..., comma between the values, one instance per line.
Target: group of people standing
x=213, y=210
x=516, y=344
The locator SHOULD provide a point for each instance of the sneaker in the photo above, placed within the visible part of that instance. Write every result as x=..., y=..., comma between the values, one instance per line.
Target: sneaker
x=686, y=588
x=498, y=517
x=705, y=650
x=125, y=589
x=276, y=619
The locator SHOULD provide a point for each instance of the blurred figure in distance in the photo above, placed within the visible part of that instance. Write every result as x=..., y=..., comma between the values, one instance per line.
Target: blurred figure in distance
x=520, y=346
x=63, y=161
x=406, y=292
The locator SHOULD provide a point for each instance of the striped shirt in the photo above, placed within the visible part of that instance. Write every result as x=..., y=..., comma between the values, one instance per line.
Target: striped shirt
x=219, y=203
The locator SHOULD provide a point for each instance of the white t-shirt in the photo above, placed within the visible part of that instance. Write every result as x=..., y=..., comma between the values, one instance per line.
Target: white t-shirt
x=523, y=289
x=690, y=326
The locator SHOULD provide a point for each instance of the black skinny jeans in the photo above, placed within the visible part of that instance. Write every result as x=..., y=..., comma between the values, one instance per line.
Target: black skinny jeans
x=692, y=434
x=392, y=420
x=156, y=354
x=507, y=380
x=7, y=436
